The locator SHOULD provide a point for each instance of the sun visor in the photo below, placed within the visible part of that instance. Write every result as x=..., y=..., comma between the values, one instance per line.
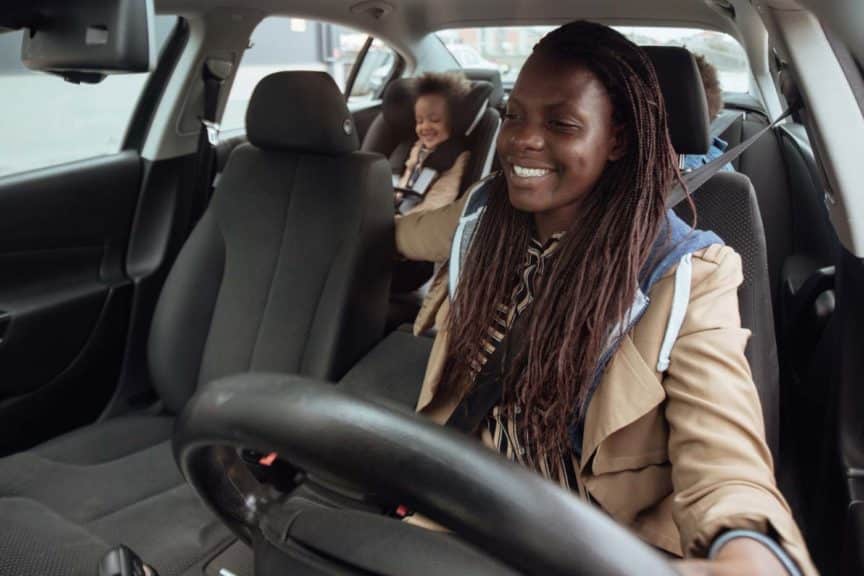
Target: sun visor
x=84, y=41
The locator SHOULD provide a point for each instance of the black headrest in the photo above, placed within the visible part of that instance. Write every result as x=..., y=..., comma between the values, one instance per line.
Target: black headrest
x=493, y=77
x=302, y=111
x=686, y=105
x=398, y=108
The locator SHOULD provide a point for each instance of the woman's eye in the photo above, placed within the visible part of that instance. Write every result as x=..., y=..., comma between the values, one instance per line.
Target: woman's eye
x=565, y=125
x=510, y=116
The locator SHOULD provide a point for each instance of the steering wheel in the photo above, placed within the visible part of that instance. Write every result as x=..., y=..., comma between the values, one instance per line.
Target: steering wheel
x=499, y=507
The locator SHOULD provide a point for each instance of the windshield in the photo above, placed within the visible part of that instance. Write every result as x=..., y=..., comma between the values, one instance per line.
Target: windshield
x=507, y=48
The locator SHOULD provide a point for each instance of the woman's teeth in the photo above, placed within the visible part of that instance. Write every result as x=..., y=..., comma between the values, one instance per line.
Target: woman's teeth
x=523, y=172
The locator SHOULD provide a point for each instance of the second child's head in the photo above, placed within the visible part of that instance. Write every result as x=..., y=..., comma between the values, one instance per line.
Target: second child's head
x=436, y=95
x=711, y=83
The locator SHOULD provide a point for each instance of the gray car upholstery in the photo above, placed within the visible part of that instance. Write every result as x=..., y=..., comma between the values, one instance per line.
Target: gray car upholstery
x=493, y=77
x=288, y=271
x=764, y=164
x=727, y=205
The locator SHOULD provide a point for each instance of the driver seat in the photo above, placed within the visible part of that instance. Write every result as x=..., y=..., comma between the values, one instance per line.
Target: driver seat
x=287, y=271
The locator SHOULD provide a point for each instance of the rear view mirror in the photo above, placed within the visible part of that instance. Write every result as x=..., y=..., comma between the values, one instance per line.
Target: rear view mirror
x=86, y=39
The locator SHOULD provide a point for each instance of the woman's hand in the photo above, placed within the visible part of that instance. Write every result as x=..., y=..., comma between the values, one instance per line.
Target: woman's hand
x=740, y=557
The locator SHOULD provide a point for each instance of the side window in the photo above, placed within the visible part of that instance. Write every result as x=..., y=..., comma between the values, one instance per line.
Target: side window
x=507, y=48
x=48, y=121
x=375, y=69
x=283, y=43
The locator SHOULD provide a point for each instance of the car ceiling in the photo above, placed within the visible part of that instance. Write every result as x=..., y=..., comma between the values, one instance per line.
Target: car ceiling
x=404, y=19
x=404, y=24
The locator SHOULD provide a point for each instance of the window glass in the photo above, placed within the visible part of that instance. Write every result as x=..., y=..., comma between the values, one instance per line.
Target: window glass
x=374, y=72
x=507, y=49
x=46, y=120
x=281, y=43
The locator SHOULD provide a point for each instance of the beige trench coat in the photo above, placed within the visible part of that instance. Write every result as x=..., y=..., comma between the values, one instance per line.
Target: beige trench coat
x=678, y=456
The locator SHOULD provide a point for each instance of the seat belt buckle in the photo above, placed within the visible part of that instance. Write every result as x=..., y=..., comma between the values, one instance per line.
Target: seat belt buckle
x=121, y=561
x=213, y=129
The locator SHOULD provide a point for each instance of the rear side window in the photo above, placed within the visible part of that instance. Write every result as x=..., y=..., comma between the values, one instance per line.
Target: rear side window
x=47, y=121
x=282, y=43
x=373, y=74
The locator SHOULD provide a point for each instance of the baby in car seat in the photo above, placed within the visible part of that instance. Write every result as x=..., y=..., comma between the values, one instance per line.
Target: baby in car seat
x=434, y=168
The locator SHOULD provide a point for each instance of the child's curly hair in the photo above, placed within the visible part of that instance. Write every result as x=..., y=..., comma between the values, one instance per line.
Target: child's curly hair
x=711, y=83
x=453, y=86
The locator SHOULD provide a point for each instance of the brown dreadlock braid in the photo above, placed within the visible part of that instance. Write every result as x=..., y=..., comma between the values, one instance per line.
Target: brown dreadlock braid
x=593, y=279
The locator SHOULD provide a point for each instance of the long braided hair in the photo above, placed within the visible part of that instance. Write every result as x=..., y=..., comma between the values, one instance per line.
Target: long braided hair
x=593, y=278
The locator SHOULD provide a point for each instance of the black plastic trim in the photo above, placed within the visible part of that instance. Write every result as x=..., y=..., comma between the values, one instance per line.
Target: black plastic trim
x=145, y=110
x=355, y=69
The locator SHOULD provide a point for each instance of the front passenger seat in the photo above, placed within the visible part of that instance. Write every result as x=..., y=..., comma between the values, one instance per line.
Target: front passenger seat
x=287, y=271
x=727, y=205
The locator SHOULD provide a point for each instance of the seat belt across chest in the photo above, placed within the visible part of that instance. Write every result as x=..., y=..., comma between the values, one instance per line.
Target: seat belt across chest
x=692, y=181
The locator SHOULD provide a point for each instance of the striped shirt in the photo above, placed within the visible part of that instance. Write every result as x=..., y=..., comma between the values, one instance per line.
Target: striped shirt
x=500, y=423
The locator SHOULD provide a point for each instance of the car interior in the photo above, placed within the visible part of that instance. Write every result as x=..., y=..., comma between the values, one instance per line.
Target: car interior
x=216, y=282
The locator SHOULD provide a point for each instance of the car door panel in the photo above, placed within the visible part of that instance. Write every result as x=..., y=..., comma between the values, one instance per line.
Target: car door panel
x=64, y=295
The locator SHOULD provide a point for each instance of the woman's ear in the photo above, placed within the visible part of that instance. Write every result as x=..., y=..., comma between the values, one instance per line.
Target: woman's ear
x=619, y=143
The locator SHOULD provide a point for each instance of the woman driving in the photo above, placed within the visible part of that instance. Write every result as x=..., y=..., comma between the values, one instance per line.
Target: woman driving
x=587, y=332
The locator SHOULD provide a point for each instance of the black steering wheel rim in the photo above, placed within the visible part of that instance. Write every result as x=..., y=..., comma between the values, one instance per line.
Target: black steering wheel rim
x=496, y=505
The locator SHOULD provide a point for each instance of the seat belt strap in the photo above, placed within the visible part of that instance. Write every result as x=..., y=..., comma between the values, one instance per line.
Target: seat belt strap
x=694, y=180
x=213, y=74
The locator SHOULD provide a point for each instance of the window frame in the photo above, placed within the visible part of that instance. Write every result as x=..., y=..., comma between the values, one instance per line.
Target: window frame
x=396, y=69
x=355, y=68
x=148, y=102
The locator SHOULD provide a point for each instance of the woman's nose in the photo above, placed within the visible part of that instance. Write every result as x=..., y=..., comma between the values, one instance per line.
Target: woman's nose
x=526, y=137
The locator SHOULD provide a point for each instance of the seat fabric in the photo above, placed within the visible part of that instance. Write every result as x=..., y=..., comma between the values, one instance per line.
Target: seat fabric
x=727, y=204
x=377, y=377
x=288, y=270
x=65, y=503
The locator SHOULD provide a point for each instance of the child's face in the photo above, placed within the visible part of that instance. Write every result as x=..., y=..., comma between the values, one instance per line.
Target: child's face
x=433, y=122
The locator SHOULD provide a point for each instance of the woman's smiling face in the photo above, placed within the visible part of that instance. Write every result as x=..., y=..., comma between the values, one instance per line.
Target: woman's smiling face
x=557, y=137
